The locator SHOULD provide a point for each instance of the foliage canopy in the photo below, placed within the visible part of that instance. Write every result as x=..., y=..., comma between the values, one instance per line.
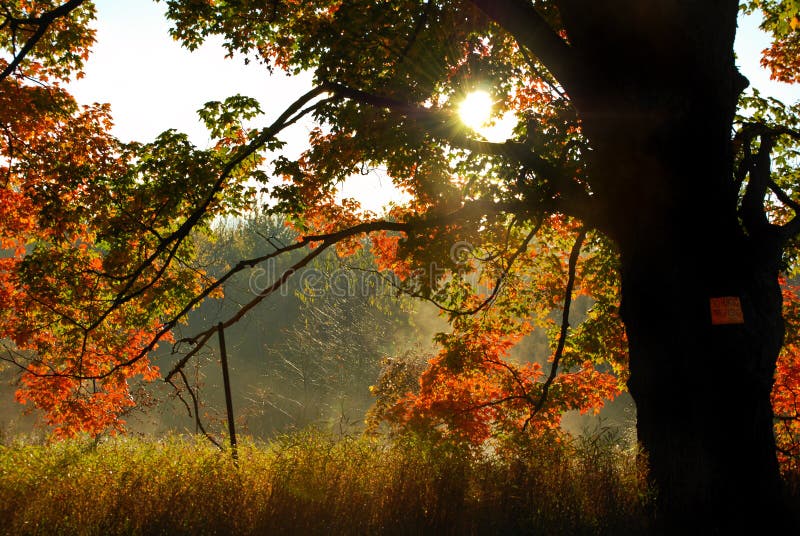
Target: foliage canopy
x=101, y=264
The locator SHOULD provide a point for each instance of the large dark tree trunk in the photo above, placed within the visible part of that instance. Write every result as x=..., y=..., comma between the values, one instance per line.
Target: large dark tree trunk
x=658, y=110
x=702, y=391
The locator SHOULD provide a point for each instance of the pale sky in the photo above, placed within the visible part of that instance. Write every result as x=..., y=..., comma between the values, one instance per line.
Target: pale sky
x=154, y=84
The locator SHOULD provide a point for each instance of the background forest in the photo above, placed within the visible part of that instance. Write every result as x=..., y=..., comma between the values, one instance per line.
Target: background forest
x=312, y=356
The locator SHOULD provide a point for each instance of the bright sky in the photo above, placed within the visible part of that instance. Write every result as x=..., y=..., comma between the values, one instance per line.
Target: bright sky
x=154, y=84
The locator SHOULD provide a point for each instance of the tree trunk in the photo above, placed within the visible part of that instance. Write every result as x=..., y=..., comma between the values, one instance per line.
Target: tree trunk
x=658, y=106
x=702, y=390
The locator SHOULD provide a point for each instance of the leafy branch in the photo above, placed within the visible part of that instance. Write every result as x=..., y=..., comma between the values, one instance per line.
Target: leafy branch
x=562, y=336
x=41, y=23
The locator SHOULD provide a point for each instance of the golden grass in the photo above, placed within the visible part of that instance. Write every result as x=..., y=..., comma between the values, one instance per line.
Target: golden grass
x=310, y=483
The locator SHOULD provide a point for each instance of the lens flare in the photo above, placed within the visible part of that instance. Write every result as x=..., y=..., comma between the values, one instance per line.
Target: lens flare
x=476, y=109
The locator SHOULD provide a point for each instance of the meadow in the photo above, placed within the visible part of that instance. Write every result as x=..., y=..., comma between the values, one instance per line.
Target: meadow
x=310, y=482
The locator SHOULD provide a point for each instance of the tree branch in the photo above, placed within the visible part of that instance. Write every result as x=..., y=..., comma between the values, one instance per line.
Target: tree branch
x=170, y=243
x=514, y=374
x=486, y=302
x=327, y=240
x=752, y=210
x=324, y=241
x=568, y=195
x=562, y=336
x=493, y=403
x=783, y=197
x=198, y=422
x=418, y=27
x=42, y=23
x=758, y=168
x=520, y=19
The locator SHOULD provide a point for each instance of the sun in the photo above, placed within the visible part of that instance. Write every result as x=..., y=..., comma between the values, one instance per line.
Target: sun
x=476, y=110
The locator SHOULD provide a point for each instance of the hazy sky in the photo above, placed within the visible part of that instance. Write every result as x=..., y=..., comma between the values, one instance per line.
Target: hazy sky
x=154, y=84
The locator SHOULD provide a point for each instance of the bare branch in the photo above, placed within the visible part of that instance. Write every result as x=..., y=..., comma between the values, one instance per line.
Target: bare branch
x=196, y=404
x=199, y=343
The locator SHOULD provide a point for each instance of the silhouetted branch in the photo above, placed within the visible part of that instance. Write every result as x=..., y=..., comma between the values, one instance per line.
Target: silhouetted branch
x=493, y=403
x=758, y=168
x=290, y=116
x=562, y=336
x=486, y=302
x=42, y=23
x=752, y=210
x=521, y=19
x=196, y=405
x=783, y=197
x=567, y=194
x=514, y=374
x=421, y=22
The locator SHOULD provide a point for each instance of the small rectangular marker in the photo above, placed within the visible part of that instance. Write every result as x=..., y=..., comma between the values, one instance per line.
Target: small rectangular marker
x=726, y=310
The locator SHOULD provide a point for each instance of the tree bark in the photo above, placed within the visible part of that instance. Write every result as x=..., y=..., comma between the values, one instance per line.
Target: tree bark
x=702, y=391
x=656, y=87
x=659, y=115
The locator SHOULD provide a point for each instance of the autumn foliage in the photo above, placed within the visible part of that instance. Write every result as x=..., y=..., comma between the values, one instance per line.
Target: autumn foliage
x=786, y=391
x=69, y=236
x=81, y=214
x=98, y=258
x=474, y=389
x=782, y=20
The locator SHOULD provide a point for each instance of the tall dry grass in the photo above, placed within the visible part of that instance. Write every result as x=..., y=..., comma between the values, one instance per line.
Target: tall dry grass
x=311, y=483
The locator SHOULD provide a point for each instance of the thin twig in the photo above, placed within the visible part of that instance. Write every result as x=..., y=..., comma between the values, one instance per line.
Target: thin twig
x=196, y=404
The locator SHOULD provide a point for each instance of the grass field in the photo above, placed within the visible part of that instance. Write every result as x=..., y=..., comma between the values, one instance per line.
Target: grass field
x=311, y=483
